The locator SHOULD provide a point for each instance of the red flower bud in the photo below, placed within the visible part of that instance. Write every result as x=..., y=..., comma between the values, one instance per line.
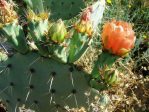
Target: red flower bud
x=86, y=15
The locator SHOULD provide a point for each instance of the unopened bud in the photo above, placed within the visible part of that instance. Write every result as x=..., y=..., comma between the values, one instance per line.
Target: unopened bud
x=58, y=31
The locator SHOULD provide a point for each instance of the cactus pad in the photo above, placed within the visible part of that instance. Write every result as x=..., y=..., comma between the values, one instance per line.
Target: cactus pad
x=58, y=8
x=43, y=84
x=64, y=9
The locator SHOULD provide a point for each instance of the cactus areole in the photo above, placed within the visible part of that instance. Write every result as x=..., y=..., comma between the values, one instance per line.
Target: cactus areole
x=118, y=37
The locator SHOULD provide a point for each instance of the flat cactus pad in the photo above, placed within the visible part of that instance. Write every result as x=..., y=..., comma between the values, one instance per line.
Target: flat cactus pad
x=64, y=9
x=43, y=84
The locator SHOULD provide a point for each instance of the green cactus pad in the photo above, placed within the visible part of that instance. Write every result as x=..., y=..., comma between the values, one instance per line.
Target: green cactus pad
x=78, y=45
x=37, y=30
x=59, y=52
x=58, y=8
x=15, y=36
x=104, y=59
x=43, y=84
x=64, y=9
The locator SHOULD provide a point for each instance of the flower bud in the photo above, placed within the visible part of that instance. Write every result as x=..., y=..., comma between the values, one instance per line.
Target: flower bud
x=111, y=76
x=58, y=32
x=86, y=14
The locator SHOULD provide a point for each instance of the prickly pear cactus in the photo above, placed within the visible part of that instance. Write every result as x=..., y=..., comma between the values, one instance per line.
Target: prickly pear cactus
x=43, y=84
x=46, y=80
x=58, y=7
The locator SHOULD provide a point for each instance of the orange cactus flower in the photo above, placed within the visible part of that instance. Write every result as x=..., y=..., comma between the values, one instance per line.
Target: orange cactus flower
x=118, y=37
